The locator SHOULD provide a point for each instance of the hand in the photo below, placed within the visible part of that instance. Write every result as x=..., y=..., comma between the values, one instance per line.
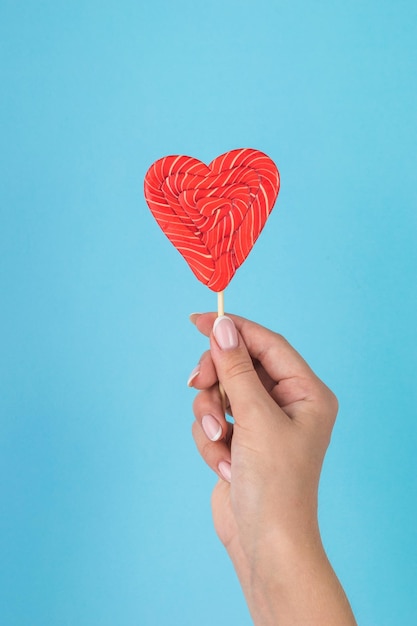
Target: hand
x=269, y=462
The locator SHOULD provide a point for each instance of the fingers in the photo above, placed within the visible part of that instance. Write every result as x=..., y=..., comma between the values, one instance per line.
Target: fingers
x=215, y=454
x=237, y=343
x=203, y=375
x=209, y=413
x=279, y=359
x=211, y=432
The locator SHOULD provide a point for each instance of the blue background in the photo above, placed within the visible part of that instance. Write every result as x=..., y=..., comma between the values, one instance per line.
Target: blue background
x=105, y=515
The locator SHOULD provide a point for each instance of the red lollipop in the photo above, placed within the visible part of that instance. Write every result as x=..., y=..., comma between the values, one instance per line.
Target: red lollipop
x=213, y=214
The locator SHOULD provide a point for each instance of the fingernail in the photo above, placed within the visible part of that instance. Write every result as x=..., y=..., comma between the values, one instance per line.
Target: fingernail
x=193, y=317
x=211, y=427
x=225, y=333
x=225, y=470
x=193, y=375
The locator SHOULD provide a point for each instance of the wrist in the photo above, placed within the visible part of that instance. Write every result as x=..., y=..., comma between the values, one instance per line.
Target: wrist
x=285, y=570
x=281, y=556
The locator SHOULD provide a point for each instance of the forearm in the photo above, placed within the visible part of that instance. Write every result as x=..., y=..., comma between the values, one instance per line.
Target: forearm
x=294, y=584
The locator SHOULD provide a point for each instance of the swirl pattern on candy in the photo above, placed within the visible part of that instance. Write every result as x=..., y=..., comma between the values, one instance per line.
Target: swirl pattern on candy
x=213, y=214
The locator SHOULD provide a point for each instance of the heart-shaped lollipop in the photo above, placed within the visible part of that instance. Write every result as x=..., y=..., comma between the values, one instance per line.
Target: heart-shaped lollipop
x=213, y=214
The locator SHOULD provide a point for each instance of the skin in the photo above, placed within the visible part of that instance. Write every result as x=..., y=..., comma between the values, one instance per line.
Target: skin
x=265, y=502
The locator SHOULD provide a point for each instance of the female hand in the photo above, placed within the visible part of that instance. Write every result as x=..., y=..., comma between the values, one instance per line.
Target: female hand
x=269, y=462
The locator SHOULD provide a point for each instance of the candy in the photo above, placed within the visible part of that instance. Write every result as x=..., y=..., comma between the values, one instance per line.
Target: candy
x=213, y=214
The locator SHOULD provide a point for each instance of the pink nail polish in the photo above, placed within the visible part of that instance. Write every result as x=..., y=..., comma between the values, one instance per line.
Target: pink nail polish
x=225, y=333
x=211, y=427
x=225, y=470
x=193, y=375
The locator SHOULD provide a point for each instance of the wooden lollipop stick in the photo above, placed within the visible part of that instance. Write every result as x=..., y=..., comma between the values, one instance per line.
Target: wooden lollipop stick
x=220, y=303
x=220, y=312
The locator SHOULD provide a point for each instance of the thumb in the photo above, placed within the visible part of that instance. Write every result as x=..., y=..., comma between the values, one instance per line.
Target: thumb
x=235, y=370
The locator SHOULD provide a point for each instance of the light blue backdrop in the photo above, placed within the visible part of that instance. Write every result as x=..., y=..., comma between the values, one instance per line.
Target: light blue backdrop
x=105, y=516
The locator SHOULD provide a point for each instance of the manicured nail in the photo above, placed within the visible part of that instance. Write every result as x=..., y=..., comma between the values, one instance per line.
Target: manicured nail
x=194, y=317
x=225, y=333
x=193, y=375
x=225, y=470
x=211, y=427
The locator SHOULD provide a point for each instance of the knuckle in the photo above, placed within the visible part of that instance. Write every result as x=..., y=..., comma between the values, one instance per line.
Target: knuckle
x=195, y=430
x=329, y=404
x=280, y=337
x=204, y=445
x=205, y=401
x=206, y=450
x=238, y=367
x=333, y=404
x=206, y=357
x=197, y=404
